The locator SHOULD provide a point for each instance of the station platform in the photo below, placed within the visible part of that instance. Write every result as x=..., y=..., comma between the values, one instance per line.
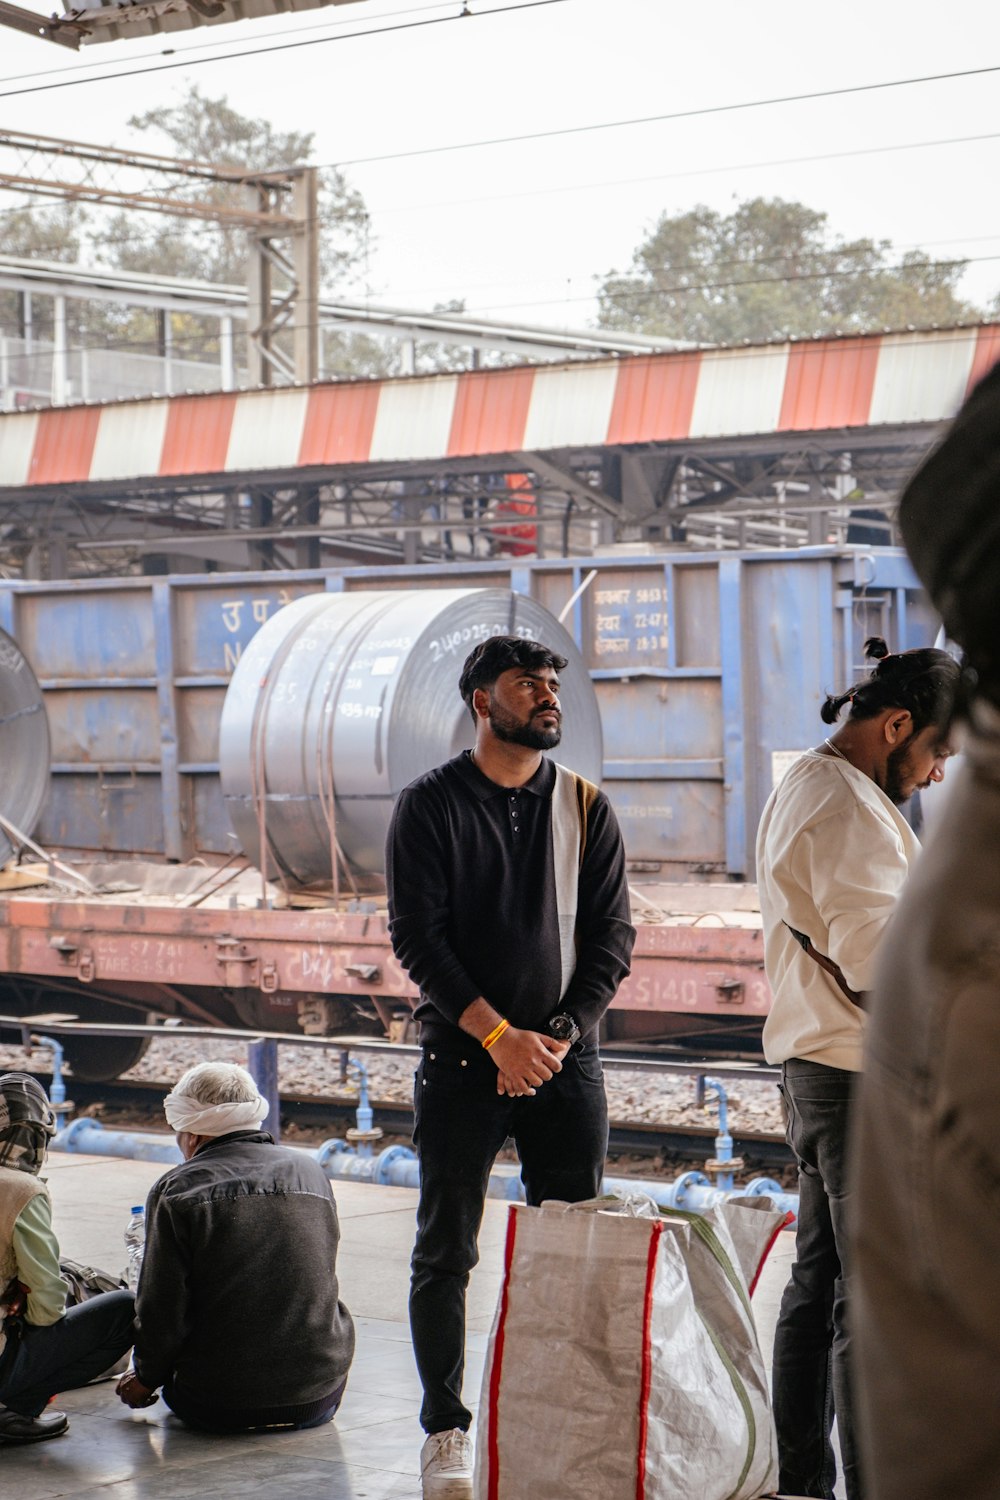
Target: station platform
x=371, y=1449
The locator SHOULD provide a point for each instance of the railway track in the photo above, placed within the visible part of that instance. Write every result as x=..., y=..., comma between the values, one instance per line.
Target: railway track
x=138, y=1103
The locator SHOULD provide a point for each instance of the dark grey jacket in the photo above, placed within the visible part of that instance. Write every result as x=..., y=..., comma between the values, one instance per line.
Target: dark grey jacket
x=238, y=1300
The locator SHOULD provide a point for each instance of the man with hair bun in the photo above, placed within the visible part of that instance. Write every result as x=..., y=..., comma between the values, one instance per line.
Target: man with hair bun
x=833, y=853
x=238, y=1310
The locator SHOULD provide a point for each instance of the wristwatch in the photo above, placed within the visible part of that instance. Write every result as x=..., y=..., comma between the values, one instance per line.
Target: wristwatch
x=564, y=1028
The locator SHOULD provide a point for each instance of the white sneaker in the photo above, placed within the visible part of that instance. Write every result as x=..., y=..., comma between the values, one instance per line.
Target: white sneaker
x=446, y=1466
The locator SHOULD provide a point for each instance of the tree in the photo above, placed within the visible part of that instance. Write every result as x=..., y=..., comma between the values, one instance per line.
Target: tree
x=210, y=130
x=771, y=269
x=205, y=129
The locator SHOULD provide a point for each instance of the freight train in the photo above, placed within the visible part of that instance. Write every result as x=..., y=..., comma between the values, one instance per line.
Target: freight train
x=218, y=770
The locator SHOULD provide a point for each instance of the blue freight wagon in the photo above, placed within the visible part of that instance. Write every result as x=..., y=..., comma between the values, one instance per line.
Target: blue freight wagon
x=708, y=671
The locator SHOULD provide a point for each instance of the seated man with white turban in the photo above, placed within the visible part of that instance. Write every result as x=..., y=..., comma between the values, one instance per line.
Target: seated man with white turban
x=238, y=1313
x=45, y=1347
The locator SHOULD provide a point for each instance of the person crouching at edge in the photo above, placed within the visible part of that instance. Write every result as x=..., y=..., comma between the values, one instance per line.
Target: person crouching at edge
x=238, y=1310
x=45, y=1346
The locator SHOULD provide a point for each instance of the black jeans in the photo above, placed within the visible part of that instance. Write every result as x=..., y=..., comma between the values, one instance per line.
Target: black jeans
x=811, y=1376
x=86, y=1341
x=460, y=1124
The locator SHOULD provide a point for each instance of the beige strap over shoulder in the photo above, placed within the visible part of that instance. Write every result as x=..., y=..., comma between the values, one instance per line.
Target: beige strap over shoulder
x=572, y=798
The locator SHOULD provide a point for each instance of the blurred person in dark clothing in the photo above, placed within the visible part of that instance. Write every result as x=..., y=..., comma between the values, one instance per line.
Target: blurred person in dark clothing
x=926, y=1157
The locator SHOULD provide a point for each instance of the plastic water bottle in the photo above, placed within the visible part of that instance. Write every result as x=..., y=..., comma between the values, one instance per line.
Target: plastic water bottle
x=135, y=1244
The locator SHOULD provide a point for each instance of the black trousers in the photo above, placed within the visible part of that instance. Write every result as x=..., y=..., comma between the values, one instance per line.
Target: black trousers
x=460, y=1124
x=87, y=1340
x=812, y=1347
x=206, y=1418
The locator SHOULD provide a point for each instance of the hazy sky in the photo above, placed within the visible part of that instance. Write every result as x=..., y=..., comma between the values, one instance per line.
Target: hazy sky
x=520, y=231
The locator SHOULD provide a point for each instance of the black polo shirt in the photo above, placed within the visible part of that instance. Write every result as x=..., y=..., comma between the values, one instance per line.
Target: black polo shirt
x=472, y=901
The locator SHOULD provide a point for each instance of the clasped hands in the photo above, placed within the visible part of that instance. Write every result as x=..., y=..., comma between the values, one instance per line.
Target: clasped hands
x=525, y=1060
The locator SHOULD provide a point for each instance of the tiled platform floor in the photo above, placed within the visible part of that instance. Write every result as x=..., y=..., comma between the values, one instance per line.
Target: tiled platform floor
x=370, y=1451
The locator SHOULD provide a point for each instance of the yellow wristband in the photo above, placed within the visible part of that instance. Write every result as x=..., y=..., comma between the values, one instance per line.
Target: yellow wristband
x=495, y=1034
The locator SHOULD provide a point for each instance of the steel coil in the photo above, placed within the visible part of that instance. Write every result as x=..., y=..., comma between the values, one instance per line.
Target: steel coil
x=342, y=699
x=25, y=753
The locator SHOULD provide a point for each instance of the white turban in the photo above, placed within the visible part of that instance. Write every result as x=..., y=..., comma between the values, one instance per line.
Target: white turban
x=185, y=1113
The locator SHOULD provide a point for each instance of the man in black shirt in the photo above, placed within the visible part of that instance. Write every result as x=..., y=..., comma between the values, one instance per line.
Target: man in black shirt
x=508, y=905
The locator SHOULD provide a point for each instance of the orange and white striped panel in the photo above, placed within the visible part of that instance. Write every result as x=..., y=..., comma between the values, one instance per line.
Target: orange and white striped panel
x=819, y=385
x=18, y=431
x=267, y=430
x=654, y=398
x=986, y=355
x=739, y=391
x=414, y=418
x=196, y=439
x=829, y=384
x=129, y=437
x=491, y=412
x=570, y=405
x=339, y=423
x=64, y=445
x=922, y=378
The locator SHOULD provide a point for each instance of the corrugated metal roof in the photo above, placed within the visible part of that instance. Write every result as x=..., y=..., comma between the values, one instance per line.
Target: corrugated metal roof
x=64, y=445
x=339, y=423
x=126, y=436
x=570, y=406
x=921, y=390
x=267, y=430
x=491, y=412
x=654, y=400
x=414, y=418
x=18, y=433
x=812, y=386
x=829, y=384
x=739, y=391
x=197, y=435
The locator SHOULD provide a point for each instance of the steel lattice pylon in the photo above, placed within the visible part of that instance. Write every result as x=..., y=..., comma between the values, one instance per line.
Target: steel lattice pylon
x=277, y=209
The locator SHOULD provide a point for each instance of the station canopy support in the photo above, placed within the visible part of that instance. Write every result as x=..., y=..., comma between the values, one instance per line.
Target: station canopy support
x=81, y=26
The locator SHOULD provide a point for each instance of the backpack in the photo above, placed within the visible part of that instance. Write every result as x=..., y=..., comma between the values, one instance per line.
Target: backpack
x=86, y=1282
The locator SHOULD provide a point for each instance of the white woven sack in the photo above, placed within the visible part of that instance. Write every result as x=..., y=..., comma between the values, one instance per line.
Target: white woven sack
x=623, y=1362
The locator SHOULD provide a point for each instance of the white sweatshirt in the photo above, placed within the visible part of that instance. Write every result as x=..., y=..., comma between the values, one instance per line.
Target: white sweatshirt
x=832, y=856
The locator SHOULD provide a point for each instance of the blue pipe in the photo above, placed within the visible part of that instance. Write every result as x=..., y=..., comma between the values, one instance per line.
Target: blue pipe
x=57, y=1088
x=90, y=1138
x=397, y=1166
x=723, y=1141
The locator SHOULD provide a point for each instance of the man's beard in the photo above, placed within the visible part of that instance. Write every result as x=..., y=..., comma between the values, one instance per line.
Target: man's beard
x=506, y=727
x=896, y=768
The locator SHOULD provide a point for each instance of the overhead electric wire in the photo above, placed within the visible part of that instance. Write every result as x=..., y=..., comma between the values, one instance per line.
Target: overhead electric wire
x=652, y=292
x=741, y=166
x=680, y=114
x=521, y=5
x=350, y=36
